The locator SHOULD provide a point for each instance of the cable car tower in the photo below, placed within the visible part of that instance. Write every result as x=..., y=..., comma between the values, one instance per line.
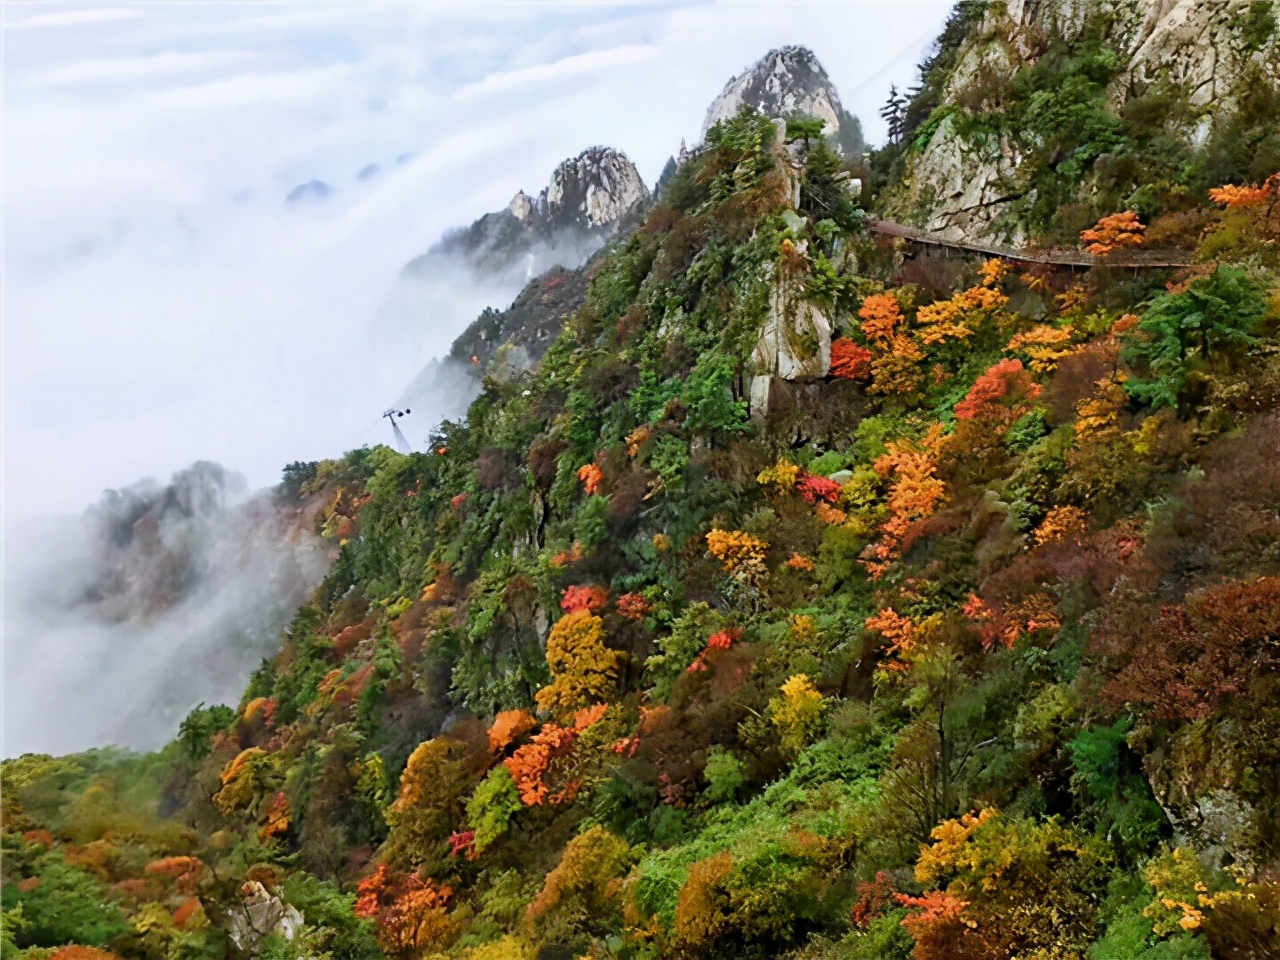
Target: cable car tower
x=401, y=443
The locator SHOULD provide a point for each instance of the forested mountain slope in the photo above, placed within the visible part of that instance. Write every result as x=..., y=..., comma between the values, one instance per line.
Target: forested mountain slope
x=783, y=608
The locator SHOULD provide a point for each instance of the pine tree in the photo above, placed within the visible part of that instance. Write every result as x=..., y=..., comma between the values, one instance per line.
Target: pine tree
x=894, y=113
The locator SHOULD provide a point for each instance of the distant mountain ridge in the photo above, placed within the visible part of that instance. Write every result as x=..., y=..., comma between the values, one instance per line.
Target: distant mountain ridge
x=587, y=196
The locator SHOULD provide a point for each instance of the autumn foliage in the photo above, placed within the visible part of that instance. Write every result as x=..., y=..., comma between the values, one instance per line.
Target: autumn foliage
x=999, y=393
x=814, y=488
x=593, y=598
x=1112, y=233
x=583, y=669
x=531, y=765
x=915, y=492
x=185, y=872
x=881, y=315
x=590, y=475
x=508, y=727
x=1236, y=197
x=1194, y=656
x=410, y=911
x=632, y=606
x=849, y=361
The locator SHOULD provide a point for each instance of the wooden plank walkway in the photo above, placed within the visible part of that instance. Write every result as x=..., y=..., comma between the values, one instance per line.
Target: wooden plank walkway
x=1137, y=259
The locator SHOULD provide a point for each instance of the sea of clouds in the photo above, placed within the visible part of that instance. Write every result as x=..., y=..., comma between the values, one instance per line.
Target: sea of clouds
x=163, y=304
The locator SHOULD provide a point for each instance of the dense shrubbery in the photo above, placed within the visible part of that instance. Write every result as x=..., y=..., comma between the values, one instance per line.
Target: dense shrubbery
x=938, y=664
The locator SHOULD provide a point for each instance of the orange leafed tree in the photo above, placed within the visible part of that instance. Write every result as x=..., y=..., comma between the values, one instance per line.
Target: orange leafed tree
x=1113, y=232
x=534, y=764
x=633, y=606
x=590, y=475
x=880, y=315
x=528, y=766
x=410, y=912
x=902, y=632
x=508, y=727
x=77, y=952
x=914, y=495
x=277, y=817
x=1236, y=197
x=938, y=925
x=186, y=911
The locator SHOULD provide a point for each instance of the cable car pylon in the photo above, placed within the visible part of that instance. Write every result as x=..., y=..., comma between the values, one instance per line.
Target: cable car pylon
x=401, y=443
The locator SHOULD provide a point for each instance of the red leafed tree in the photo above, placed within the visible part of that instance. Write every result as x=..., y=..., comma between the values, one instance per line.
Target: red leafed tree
x=874, y=897
x=593, y=598
x=814, y=488
x=463, y=842
x=410, y=911
x=849, y=361
x=717, y=641
x=999, y=393
x=1197, y=655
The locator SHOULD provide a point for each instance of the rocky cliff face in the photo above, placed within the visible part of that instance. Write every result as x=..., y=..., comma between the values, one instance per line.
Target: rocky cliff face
x=588, y=196
x=787, y=81
x=1199, y=58
x=1201, y=46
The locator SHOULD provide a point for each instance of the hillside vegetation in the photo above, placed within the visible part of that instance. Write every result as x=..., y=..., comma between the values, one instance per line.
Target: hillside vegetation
x=963, y=644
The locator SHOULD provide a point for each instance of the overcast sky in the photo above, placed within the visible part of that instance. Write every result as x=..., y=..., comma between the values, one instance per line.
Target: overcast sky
x=161, y=302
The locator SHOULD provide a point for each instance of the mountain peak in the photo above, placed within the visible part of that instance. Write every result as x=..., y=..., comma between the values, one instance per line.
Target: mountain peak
x=594, y=189
x=788, y=80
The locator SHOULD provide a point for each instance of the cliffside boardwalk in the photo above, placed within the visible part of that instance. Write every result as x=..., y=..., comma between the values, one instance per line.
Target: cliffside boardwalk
x=1137, y=259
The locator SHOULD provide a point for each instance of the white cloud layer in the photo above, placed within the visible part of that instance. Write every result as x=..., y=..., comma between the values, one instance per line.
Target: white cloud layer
x=162, y=304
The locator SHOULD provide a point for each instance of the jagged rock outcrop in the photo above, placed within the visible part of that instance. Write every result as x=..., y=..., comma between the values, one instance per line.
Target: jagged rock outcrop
x=1202, y=46
x=786, y=81
x=1199, y=787
x=161, y=596
x=261, y=915
x=588, y=196
x=794, y=343
x=588, y=200
x=1205, y=54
